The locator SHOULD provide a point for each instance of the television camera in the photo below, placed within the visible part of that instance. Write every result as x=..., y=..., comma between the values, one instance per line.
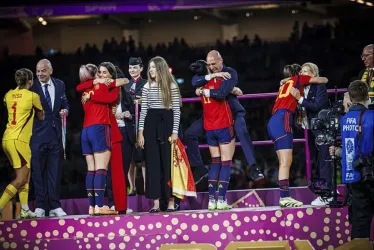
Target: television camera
x=326, y=129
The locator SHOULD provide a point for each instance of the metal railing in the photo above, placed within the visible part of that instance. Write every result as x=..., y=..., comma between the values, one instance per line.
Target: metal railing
x=269, y=142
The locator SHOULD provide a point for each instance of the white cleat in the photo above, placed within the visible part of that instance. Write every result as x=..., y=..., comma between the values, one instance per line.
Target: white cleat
x=222, y=205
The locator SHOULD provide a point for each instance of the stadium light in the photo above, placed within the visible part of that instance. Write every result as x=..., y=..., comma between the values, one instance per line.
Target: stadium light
x=370, y=4
x=44, y=23
x=40, y=19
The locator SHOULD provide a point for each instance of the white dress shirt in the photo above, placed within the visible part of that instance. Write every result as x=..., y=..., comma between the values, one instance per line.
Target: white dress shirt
x=51, y=90
x=305, y=123
x=120, y=122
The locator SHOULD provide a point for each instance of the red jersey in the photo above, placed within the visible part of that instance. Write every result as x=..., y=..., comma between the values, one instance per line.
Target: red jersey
x=98, y=109
x=284, y=99
x=216, y=113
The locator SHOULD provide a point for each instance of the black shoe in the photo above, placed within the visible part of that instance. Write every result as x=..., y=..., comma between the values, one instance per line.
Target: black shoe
x=122, y=212
x=176, y=208
x=132, y=193
x=154, y=210
x=256, y=174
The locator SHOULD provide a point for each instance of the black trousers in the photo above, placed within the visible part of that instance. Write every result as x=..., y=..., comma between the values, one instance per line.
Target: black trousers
x=158, y=127
x=46, y=173
x=127, y=154
x=361, y=208
x=321, y=159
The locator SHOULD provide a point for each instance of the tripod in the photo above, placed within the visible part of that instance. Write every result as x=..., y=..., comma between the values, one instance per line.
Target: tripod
x=334, y=203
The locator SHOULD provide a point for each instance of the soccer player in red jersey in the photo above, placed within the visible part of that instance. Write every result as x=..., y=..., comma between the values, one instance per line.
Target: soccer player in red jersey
x=98, y=133
x=280, y=126
x=218, y=124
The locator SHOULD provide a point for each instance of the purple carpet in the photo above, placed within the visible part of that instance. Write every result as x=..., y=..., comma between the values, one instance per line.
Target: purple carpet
x=325, y=228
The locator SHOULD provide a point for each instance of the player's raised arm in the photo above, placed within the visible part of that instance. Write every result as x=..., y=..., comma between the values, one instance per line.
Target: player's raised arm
x=318, y=80
x=39, y=112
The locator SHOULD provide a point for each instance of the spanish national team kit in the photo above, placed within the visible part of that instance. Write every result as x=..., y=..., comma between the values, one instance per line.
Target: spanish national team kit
x=280, y=124
x=21, y=105
x=218, y=124
x=16, y=139
x=218, y=121
x=96, y=133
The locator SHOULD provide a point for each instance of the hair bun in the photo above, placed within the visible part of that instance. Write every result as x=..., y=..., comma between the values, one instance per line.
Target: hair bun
x=199, y=68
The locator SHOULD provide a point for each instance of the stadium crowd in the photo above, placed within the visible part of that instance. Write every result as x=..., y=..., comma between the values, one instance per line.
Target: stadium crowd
x=335, y=48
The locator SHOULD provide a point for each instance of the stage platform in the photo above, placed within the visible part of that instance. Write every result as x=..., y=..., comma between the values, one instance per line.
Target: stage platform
x=265, y=197
x=325, y=228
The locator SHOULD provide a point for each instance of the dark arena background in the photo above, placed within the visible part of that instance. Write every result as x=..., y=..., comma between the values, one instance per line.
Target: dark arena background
x=257, y=38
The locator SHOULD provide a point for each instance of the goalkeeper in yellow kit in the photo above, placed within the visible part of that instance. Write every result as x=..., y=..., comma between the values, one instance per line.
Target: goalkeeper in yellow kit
x=22, y=106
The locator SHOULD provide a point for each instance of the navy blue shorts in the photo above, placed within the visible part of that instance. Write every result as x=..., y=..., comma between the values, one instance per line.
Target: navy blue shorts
x=280, y=129
x=220, y=136
x=96, y=139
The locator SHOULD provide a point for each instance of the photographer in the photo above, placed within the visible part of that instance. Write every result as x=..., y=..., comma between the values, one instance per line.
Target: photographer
x=357, y=131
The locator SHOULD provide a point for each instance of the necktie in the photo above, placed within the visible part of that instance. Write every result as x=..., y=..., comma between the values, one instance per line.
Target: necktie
x=47, y=96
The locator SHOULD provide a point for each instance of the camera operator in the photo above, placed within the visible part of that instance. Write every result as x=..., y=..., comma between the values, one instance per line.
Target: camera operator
x=314, y=100
x=357, y=132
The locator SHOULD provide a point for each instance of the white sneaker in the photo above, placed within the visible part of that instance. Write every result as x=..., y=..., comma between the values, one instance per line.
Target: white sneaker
x=39, y=213
x=321, y=201
x=58, y=212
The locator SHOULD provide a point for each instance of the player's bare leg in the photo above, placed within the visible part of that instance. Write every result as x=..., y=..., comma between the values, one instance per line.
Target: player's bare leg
x=285, y=161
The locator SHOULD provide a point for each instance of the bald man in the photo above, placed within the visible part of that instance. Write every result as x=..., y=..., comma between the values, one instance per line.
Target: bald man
x=46, y=141
x=218, y=69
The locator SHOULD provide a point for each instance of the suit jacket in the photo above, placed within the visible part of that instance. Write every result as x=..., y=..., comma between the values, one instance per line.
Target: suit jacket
x=316, y=100
x=127, y=104
x=224, y=91
x=50, y=128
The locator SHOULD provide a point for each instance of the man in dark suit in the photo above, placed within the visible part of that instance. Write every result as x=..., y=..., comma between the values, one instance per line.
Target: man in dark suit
x=314, y=100
x=196, y=129
x=46, y=143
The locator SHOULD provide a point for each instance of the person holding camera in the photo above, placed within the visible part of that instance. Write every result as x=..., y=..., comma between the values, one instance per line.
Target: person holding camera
x=357, y=133
x=314, y=100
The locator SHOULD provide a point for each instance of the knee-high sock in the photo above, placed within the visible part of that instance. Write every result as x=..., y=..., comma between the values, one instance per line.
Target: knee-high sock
x=9, y=192
x=284, y=188
x=224, y=180
x=90, y=177
x=213, y=177
x=23, y=194
x=99, y=186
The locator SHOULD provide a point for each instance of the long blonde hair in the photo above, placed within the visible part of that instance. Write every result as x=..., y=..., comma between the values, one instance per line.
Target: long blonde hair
x=312, y=68
x=164, y=80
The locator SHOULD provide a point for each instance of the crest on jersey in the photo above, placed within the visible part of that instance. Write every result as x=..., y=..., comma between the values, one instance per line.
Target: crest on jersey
x=97, y=86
